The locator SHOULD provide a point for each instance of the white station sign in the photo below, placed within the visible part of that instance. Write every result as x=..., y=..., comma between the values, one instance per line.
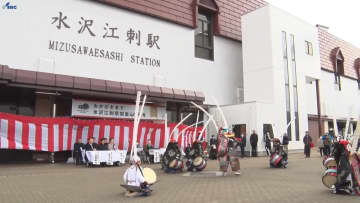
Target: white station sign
x=98, y=109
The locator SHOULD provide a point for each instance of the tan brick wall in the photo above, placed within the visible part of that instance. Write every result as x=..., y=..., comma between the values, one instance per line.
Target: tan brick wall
x=181, y=12
x=328, y=42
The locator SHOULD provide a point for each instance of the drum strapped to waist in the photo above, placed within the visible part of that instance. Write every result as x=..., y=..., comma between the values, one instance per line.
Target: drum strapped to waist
x=199, y=163
x=149, y=175
x=176, y=164
x=275, y=159
x=329, y=177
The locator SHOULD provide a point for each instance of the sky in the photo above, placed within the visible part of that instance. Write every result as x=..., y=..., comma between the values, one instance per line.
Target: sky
x=341, y=16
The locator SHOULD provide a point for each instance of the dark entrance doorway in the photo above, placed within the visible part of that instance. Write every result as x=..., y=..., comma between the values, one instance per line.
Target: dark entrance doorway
x=239, y=129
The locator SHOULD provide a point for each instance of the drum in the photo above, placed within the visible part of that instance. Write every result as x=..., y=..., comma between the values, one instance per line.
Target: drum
x=275, y=159
x=329, y=162
x=176, y=164
x=149, y=175
x=235, y=163
x=329, y=177
x=200, y=163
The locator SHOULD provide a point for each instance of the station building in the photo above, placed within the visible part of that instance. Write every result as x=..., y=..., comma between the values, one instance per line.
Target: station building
x=265, y=67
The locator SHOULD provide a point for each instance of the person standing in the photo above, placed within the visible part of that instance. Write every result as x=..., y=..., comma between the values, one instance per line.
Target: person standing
x=267, y=143
x=111, y=145
x=213, y=147
x=243, y=144
x=285, y=142
x=320, y=145
x=78, y=147
x=327, y=144
x=307, y=142
x=253, y=142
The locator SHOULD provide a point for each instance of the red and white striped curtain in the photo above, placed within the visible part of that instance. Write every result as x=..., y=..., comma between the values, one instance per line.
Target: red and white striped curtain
x=60, y=134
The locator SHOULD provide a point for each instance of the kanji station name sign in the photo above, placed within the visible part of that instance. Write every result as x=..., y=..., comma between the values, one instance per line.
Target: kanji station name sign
x=83, y=26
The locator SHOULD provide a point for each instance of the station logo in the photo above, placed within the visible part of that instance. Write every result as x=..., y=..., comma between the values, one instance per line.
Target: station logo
x=83, y=108
x=9, y=6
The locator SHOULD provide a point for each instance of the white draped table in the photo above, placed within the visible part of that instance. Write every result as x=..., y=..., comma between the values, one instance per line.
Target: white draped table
x=108, y=157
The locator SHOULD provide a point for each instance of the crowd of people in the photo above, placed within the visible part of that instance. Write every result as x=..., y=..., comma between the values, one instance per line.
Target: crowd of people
x=325, y=143
x=241, y=141
x=106, y=145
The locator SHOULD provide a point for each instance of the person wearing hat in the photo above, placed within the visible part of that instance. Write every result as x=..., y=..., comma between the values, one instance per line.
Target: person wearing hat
x=307, y=142
x=172, y=155
x=134, y=176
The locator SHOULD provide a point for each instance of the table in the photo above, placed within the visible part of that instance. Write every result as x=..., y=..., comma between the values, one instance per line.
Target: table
x=108, y=157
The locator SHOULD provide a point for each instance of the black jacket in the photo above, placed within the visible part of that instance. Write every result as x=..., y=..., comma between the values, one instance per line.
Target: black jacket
x=285, y=140
x=77, y=147
x=102, y=147
x=243, y=141
x=89, y=147
x=307, y=140
x=253, y=139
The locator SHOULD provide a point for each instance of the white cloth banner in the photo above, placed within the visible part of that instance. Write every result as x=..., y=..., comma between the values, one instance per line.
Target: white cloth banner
x=109, y=157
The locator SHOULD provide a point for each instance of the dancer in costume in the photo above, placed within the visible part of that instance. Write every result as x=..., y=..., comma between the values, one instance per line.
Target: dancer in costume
x=172, y=160
x=278, y=157
x=196, y=160
x=135, y=181
x=342, y=173
x=226, y=146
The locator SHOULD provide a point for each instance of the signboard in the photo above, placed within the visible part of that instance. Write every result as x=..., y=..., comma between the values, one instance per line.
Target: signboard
x=91, y=28
x=98, y=109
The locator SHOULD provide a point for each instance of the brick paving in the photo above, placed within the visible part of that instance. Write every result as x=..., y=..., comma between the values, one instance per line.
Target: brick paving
x=301, y=182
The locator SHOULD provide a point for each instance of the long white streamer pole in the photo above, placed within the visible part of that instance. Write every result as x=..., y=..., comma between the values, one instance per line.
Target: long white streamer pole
x=197, y=120
x=204, y=128
x=287, y=126
x=135, y=124
x=347, y=126
x=203, y=110
x=222, y=113
x=336, y=132
x=179, y=124
x=356, y=136
x=190, y=126
x=166, y=132
x=142, y=108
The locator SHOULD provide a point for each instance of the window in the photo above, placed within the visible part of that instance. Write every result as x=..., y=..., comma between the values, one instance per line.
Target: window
x=294, y=78
x=308, y=48
x=286, y=78
x=204, y=37
x=17, y=101
x=339, y=69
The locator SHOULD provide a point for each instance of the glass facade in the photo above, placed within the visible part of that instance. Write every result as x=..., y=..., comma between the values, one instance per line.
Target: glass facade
x=294, y=78
x=287, y=85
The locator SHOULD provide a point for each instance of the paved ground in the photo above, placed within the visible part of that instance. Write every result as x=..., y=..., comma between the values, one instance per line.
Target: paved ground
x=301, y=182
